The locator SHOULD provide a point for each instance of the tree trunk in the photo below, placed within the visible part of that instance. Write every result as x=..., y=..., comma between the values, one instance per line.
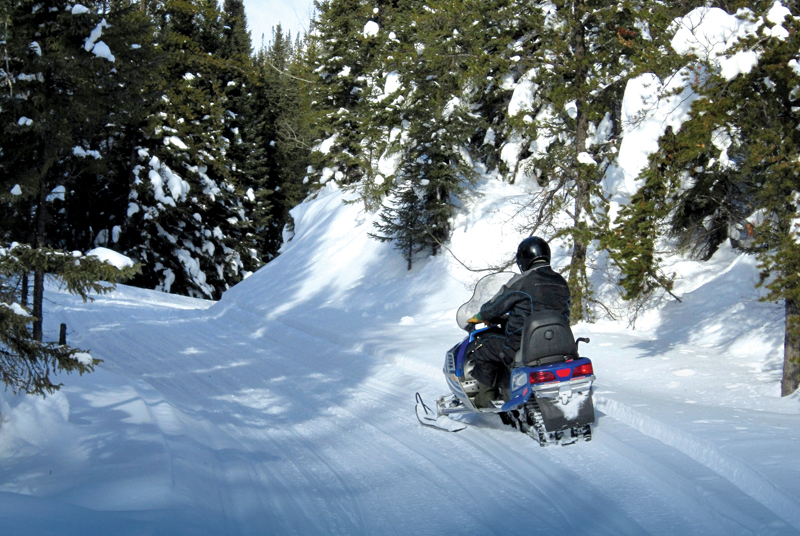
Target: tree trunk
x=577, y=270
x=791, y=352
x=38, y=274
x=38, y=299
x=23, y=293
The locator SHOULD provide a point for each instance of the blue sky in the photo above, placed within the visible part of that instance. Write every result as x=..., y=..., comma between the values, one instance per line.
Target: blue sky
x=263, y=15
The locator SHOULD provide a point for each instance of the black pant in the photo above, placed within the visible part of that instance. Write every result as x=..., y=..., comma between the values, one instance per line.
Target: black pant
x=491, y=357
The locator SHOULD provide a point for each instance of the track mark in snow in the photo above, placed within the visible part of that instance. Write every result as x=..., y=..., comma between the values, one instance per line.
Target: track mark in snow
x=735, y=471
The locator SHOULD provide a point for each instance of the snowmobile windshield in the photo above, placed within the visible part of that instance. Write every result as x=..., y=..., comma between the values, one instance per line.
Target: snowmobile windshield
x=484, y=291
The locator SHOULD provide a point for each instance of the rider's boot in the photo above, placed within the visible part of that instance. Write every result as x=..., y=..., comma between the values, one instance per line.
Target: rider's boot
x=484, y=397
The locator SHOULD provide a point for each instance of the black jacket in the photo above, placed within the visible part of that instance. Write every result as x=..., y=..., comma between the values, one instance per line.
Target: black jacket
x=538, y=289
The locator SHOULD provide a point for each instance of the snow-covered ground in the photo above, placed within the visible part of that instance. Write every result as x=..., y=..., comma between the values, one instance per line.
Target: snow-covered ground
x=288, y=406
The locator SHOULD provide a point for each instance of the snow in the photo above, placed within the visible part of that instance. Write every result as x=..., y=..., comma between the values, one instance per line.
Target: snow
x=326, y=145
x=16, y=308
x=371, y=29
x=288, y=406
x=16, y=190
x=389, y=162
x=649, y=107
x=522, y=98
x=176, y=141
x=111, y=257
x=83, y=358
x=709, y=33
x=59, y=192
x=25, y=121
x=451, y=106
x=586, y=158
x=79, y=9
x=98, y=48
x=392, y=83
x=83, y=153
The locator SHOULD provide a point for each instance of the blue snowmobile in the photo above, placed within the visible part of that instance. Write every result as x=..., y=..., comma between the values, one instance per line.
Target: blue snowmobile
x=546, y=393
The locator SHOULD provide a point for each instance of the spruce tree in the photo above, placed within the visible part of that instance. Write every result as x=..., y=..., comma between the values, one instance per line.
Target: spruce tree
x=285, y=131
x=184, y=210
x=578, y=58
x=428, y=121
x=401, y=221
x=64, y=68
x=27, y=363
x=731, y=171
x=343, y=65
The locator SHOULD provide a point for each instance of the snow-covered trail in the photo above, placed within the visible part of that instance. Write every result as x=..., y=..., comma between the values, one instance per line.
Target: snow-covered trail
x=288, y=408
x=218, y=422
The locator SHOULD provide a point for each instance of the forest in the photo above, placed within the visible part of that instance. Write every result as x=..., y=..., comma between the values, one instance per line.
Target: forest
x=158, y=130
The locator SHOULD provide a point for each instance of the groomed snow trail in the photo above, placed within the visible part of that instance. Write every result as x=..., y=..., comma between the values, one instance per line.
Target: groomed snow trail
x=288, y=408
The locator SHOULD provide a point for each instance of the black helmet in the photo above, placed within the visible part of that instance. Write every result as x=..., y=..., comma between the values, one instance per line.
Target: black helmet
x=530, y=251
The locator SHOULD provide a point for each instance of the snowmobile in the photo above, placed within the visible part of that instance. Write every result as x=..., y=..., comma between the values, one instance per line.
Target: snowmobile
x=546, y=392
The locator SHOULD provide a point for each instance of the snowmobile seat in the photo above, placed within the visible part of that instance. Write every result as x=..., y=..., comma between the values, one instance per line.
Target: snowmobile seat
x=546, y=338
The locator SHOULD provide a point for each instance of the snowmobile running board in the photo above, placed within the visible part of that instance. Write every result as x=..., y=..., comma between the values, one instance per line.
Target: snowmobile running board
x=426, y=416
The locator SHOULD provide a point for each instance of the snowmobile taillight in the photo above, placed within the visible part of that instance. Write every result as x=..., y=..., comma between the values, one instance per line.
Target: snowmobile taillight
x=541, y=377
x=563, y=373
x=583, y=370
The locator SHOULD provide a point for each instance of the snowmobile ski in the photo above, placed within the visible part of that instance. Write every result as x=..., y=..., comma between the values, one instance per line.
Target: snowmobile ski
x=426, y=416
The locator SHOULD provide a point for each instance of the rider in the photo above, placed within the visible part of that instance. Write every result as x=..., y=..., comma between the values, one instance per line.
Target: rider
x=537, y=288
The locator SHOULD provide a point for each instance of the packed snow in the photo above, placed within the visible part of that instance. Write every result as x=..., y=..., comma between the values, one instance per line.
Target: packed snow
x=289, y=404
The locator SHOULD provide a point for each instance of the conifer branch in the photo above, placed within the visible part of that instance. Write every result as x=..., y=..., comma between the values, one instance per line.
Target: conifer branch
x=285, y=73
x=492, y=269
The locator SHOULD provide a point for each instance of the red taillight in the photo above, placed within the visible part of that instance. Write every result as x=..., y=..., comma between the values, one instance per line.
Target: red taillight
x=583, y=370
x=541, y=377
x=563, y=373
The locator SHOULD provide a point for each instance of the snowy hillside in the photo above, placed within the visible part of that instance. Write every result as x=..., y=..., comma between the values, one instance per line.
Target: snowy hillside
x=287, y=407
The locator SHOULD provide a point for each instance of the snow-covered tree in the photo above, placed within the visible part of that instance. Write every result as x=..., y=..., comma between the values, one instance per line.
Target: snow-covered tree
x=344, y=62
x=731, y=171
x=68, y=70
x=184, y=220
x=575, y=62
x=27, y=363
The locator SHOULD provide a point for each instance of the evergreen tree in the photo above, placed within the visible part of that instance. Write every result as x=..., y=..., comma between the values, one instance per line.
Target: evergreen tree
x=565, y=110
x=732, y=169
x=285, y=131
x=26, y=362
x=344, y=62
x=188, y=225
x=67, y=70
x=430, y=125
x=401, y=221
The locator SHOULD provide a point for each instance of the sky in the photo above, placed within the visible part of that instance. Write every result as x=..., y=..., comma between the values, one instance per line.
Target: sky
x=263, y=15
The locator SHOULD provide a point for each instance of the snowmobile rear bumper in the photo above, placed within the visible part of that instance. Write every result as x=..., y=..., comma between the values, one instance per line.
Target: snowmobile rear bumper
x=566, y=405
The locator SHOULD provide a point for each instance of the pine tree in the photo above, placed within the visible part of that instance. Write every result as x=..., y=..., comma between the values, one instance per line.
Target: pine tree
x=285, y=130
x=190, y=230
x=401, y=222
x=64, y=67
x=427, y=122
x=578, y=58
x=732, y=169
x=344, y=62
x=27, y=363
